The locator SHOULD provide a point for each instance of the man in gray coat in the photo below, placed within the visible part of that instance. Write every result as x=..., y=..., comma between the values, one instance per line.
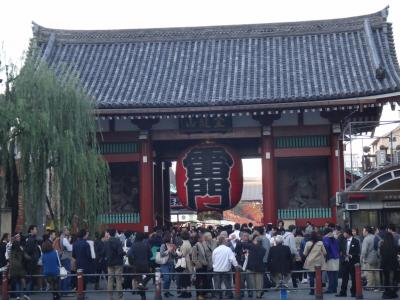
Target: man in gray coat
x=369, y=257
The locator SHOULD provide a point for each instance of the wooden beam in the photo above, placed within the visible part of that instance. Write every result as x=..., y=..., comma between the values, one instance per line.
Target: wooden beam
x=302, y=152
x=236, y=133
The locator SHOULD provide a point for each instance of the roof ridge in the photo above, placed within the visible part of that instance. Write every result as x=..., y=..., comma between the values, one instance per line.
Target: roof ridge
x=211, y=32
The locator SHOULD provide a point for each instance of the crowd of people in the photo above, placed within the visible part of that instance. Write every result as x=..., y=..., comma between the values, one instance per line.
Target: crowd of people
x=202, y=259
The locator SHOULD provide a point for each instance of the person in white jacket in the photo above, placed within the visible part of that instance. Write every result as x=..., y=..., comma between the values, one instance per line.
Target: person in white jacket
x=223, y=259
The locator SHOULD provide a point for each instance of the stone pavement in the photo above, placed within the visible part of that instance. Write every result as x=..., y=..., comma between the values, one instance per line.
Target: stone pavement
x=296, y=295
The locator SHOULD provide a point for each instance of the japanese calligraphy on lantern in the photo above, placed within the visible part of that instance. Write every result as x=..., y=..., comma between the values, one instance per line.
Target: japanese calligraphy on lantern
x=209, y=177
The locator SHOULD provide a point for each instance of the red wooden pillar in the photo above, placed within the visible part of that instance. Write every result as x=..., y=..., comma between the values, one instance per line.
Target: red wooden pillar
x=270, y=209
x=146, y=184
x=336, y=168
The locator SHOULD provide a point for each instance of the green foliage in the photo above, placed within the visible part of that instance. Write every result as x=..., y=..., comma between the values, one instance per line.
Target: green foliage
x=54, y=130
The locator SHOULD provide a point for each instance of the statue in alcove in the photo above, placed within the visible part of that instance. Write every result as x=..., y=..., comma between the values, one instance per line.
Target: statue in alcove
x=303, y=190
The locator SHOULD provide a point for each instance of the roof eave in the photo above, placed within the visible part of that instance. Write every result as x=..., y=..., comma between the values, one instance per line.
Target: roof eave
x=251, y=107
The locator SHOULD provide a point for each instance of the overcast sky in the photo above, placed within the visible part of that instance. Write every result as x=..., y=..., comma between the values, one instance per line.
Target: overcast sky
x=16, y=16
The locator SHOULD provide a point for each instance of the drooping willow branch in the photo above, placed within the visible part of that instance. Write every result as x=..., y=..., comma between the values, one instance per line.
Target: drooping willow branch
x=56, y=130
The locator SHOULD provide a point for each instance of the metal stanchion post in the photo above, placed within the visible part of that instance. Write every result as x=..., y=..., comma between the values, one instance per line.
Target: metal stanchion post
x=157, y=295
x=80, y=293
x=318, y=283
x=238, y=295
x=359, y=291
x=4, y=286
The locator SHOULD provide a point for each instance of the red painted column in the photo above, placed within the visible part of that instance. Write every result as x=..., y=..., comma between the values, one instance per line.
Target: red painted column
x=336, y=168
x=270, y=209
x=146, y=185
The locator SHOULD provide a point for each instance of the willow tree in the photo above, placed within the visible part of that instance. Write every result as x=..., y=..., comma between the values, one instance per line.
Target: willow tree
x=49, y=124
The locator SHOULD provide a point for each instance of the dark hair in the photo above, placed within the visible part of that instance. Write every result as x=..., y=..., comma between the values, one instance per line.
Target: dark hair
x=291, y=228
x=31, y=227
x=269, y=227
x=185, y=235
x=47, y=246
x=166, y=237
x=139, y=237
x=348, y=231
x=299, y=232
x=81, y=234
x=5, y=236
x=250, y=224
x=260, y=229
x=327, y=230
x=45, y=237
x=237, y=226
x=369, y=229
x=314, y=237
x=392, y=227
x=16, y=246
x=112, y=231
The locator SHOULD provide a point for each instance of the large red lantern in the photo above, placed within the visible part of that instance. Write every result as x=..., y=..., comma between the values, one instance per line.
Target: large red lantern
x=209, y=177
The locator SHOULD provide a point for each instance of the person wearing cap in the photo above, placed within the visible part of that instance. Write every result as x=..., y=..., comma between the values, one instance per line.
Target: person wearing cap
x=280, y=261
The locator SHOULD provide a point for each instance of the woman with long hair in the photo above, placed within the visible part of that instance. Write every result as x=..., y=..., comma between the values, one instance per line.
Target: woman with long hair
x=167, y=249
x=389, y=264
x=183, y=252
x=315, y=254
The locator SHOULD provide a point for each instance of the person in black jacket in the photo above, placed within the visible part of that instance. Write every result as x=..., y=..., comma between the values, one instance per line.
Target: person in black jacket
x=350, y=255
x=389, y=264
x=33, y=254
x=256, y=256
x=139, y=257
x=3, y=249
x=100, y=260
x=115, y=263
x=280, y=261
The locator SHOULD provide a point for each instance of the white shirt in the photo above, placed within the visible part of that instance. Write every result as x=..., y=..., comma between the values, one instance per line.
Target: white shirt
x=66, y=244
x=223, y=259
x=348, y=245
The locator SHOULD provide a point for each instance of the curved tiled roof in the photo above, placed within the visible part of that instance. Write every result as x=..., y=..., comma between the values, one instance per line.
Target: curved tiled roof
x=228, y=65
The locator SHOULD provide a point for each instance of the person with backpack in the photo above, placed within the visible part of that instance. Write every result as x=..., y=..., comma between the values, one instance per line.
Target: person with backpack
x=200, y=263
x=115, y=263
x=315, y=254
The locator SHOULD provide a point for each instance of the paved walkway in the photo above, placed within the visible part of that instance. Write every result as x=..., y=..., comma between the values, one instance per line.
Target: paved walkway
x=296, y=295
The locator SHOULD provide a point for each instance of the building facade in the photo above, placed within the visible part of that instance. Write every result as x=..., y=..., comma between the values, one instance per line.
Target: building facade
x=280, y=92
